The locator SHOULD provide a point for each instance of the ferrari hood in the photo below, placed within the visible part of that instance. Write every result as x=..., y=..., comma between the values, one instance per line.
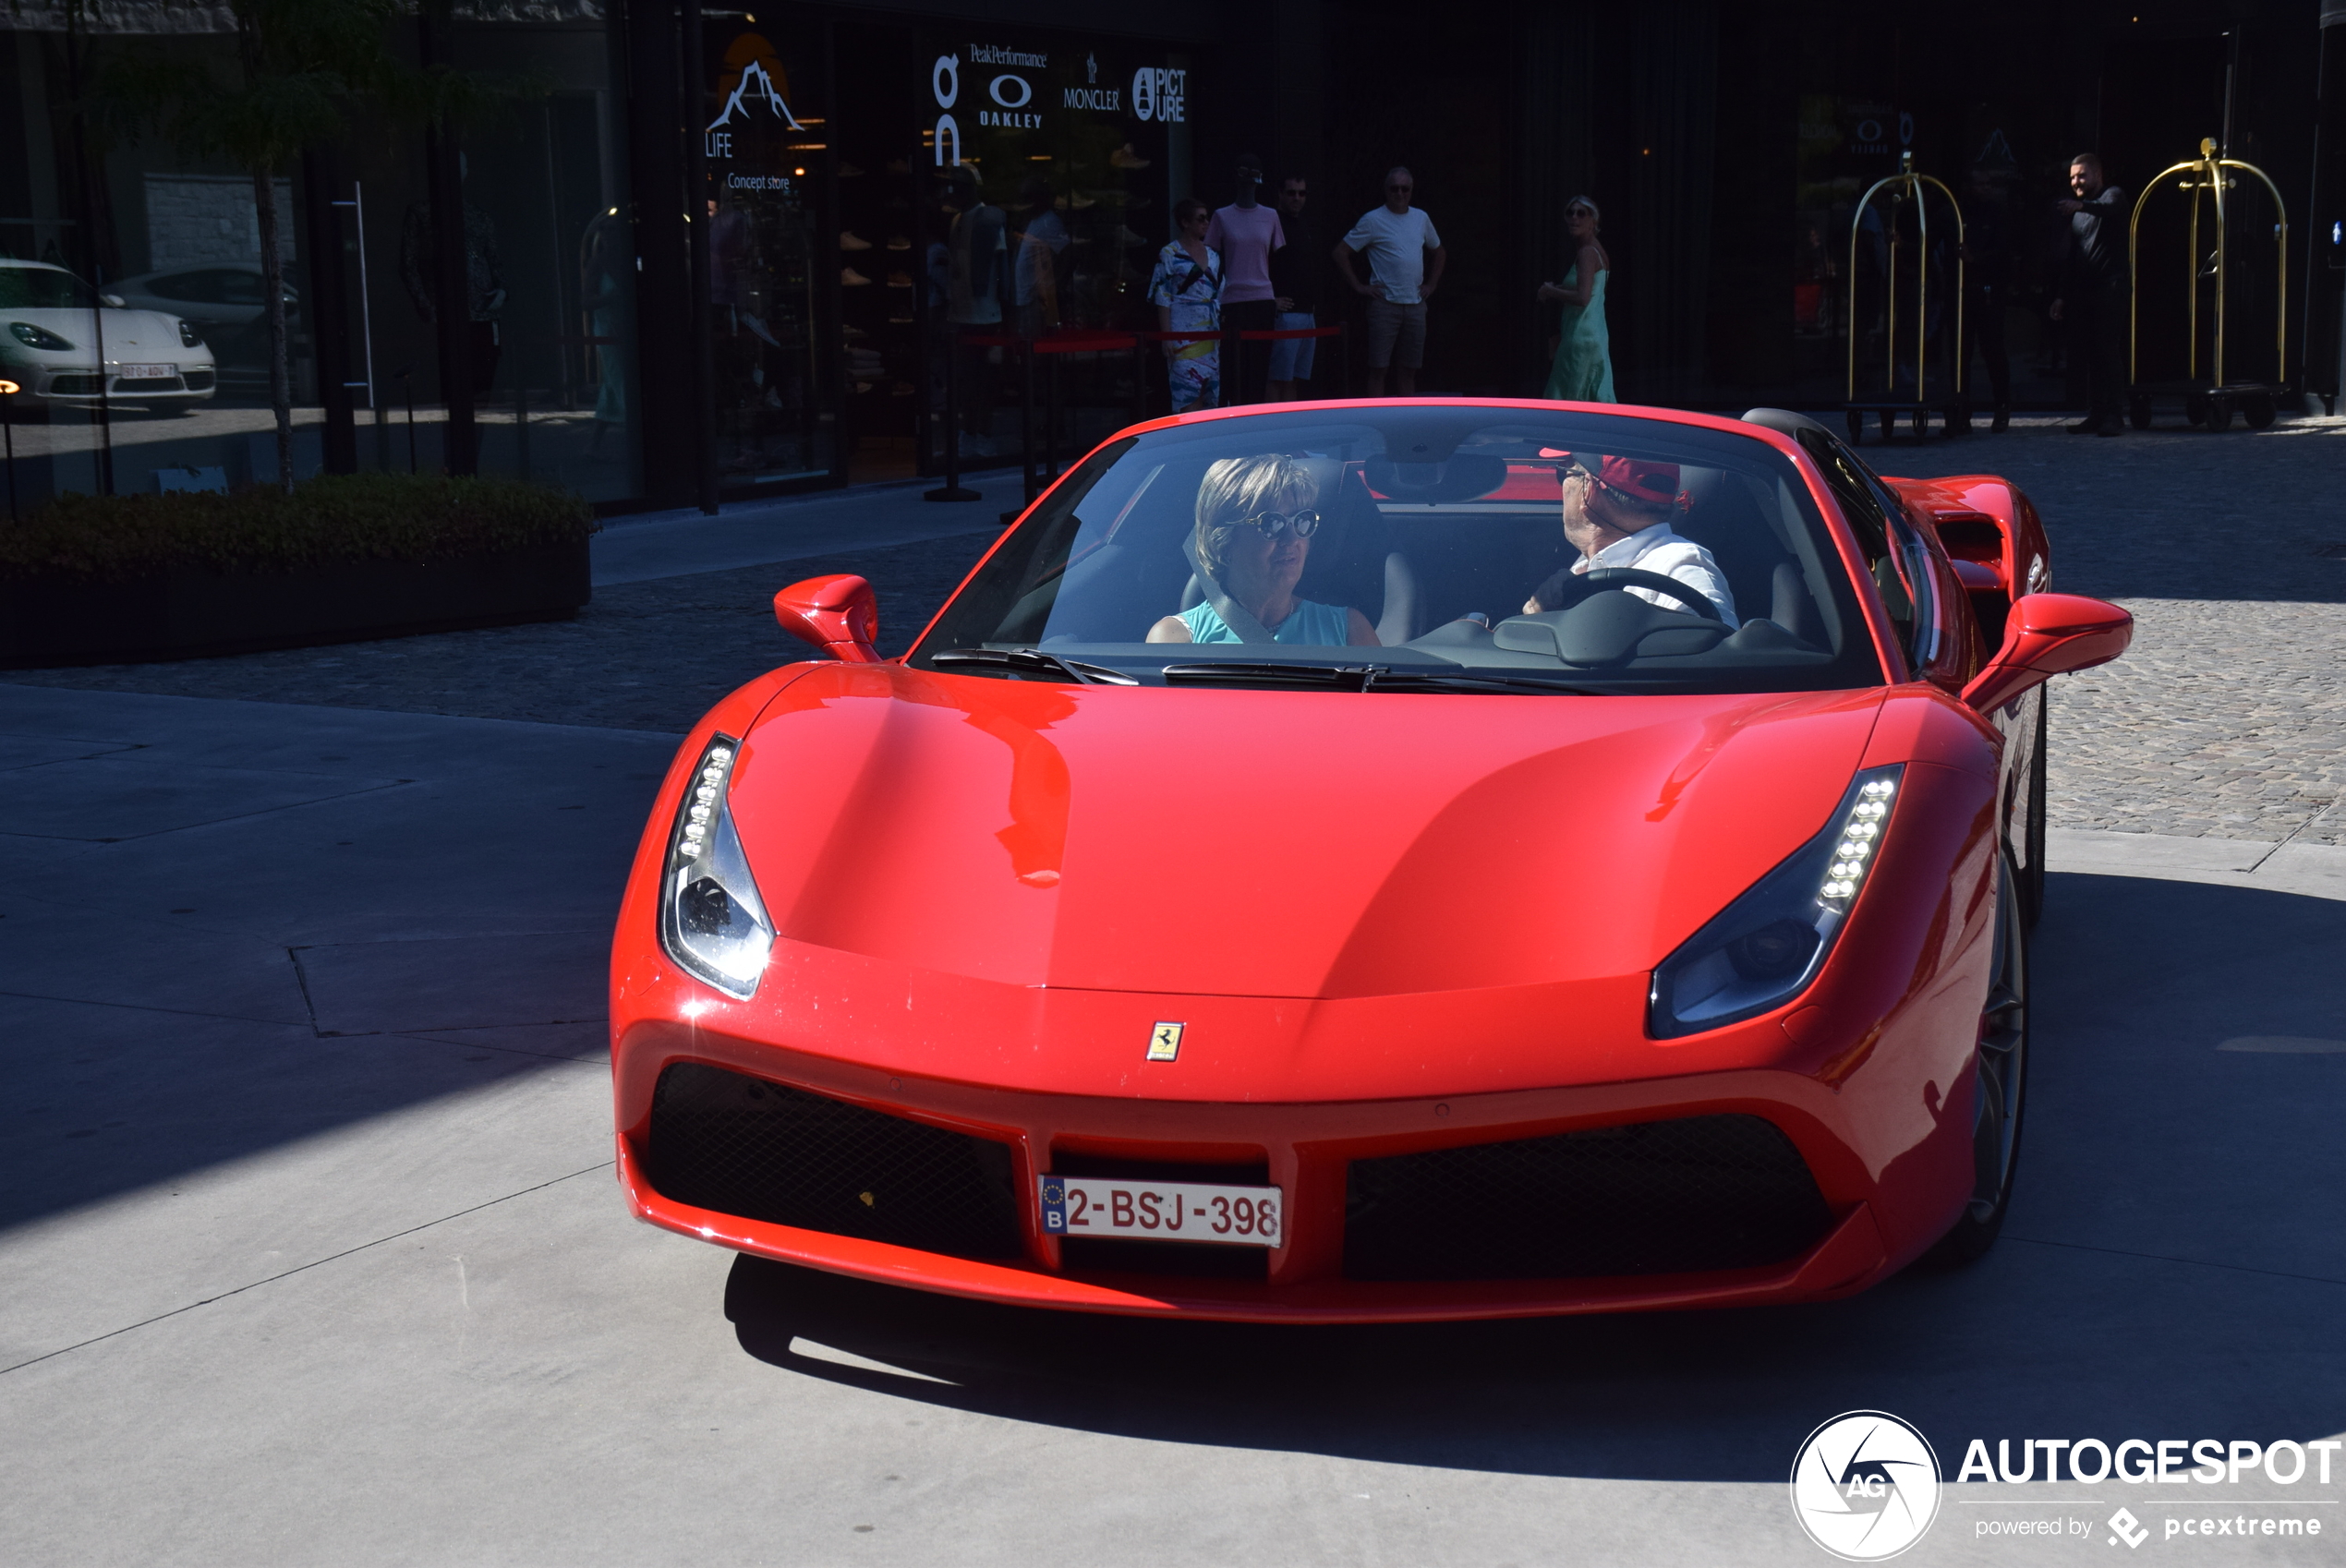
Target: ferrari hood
x=1274, y=844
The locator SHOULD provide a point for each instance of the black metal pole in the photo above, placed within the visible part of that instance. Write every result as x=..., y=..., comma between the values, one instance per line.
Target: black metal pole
x=953, y=489
x=696, y=231
x=1025, y=426
x=1051, y=424
x=450, y=270
x=8, y=430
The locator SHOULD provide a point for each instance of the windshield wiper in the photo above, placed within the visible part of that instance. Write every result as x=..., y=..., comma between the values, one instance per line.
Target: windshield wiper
x=1036, y=661
x=1363, y=678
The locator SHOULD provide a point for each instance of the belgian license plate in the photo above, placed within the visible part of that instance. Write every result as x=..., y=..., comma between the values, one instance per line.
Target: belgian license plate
x=144, y=372
x=1118, y=1209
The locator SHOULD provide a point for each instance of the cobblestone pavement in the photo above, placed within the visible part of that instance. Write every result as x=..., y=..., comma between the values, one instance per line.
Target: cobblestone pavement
x=642, y=656
x=2228, y=719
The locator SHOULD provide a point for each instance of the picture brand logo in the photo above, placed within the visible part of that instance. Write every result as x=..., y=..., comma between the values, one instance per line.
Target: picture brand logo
x=1865, y=1485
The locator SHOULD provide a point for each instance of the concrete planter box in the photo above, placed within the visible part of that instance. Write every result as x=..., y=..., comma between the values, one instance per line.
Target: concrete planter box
x=60, y=620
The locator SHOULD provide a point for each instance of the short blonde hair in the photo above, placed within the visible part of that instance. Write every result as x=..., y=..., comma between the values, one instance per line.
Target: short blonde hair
x=1237, y=487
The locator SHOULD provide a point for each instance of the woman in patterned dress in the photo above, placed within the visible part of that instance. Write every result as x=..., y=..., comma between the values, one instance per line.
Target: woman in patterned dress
x=1186, y=288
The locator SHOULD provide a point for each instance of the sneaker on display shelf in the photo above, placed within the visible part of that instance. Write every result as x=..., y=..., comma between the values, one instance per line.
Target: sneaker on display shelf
x=900, y=279
x=1126, y=157
x=848, y=240
x=900, y=242
x=848, y=171
x=850, y=277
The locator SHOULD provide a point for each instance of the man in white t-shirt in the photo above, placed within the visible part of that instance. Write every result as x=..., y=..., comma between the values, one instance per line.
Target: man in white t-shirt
x=1620, y=515
x=1406, y=260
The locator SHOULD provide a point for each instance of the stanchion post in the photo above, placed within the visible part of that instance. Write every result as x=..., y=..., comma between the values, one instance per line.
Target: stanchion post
x=8, y=390
x=953, y=489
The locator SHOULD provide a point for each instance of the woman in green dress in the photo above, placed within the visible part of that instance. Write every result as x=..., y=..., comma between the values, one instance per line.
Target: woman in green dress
x=1583, y=368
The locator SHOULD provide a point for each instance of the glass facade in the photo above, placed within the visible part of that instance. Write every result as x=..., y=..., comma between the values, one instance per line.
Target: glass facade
x=168, y=243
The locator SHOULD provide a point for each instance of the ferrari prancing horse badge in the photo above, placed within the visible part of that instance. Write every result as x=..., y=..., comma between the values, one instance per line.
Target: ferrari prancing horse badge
x=1165, y=1041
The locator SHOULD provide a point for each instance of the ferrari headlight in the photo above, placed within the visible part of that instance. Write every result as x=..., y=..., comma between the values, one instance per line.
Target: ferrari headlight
x=710, y=918
x=40, y=338
x=1764, y=948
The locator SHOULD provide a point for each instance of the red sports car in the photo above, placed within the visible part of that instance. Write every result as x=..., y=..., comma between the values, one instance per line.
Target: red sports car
x=1385, y=859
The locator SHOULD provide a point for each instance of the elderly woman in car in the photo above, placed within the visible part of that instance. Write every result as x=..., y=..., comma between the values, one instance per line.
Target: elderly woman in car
x=1254, y=525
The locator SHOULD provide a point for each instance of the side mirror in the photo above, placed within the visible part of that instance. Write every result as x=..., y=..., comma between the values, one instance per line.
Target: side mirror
x=839, y=615
x=114, y=299
x=2049, y=634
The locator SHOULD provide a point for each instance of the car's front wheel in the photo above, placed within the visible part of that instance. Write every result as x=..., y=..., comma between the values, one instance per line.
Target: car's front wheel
x=2000, y=1079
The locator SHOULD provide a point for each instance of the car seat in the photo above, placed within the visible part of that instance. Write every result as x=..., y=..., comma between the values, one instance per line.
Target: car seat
x=1723, y=517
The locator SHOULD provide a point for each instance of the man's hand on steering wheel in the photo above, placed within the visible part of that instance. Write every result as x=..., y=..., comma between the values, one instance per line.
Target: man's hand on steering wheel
x=1626, y=577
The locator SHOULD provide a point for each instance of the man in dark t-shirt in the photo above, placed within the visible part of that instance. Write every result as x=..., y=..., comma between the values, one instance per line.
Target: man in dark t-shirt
x=2092, y=291
x=1295, y=281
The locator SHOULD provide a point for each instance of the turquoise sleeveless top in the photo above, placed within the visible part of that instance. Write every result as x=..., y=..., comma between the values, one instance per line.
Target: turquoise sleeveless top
x=1316, y=625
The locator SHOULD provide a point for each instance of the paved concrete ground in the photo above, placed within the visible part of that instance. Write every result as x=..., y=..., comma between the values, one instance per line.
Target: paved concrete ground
x=310, y=1251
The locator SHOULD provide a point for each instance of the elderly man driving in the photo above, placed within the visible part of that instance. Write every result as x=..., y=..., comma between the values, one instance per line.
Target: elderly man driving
x=1620, y=516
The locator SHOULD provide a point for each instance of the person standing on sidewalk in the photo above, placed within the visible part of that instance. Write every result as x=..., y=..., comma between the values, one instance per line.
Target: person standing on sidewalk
x=2093, y=291
x=1186, y=288
x=1295, y=280
x=1247, y=234
x=1583, y=368
x=1406, y=260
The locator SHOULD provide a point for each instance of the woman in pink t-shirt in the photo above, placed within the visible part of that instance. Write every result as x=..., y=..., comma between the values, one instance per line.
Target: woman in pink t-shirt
x=1245, y=233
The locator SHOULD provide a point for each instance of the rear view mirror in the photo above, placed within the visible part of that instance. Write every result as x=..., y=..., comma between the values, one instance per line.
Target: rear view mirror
x=2049, y=634
x=839, y=615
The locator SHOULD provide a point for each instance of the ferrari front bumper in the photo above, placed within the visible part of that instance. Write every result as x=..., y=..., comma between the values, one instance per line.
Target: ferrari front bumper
x=1312, y=1153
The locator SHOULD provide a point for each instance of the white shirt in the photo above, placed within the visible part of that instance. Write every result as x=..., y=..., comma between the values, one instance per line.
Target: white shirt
x=1659, y=549
x=1395, y=243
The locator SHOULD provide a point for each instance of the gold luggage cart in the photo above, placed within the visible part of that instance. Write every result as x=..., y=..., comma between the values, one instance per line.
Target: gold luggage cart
x=2208, y=400
x=1906, y=190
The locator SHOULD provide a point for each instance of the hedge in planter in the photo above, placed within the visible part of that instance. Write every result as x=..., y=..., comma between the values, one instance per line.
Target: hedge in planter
x=342, y=558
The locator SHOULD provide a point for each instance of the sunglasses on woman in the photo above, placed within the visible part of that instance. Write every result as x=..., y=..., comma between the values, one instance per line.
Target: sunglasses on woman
x=1275, y=527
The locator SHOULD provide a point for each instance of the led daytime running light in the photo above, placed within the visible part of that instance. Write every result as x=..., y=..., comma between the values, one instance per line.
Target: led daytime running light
x=711, y=919
x=1855, y=852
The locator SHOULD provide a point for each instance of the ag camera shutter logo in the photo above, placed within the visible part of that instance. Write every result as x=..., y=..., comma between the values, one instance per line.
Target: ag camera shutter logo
x=1865, y=1485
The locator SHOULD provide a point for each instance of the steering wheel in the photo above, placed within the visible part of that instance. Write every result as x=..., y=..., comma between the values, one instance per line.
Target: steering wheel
x=1600, y=577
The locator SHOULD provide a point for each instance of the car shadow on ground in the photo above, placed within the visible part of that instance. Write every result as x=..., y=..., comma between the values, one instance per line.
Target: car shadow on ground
x=2172, y=1268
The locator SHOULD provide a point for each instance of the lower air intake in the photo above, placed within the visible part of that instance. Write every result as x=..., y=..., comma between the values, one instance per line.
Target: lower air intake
x=1691, y=1195
x=742, y=1145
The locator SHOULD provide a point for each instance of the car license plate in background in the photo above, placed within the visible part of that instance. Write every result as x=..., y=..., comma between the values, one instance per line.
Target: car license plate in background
x=1161, y=1211
x=144, y=372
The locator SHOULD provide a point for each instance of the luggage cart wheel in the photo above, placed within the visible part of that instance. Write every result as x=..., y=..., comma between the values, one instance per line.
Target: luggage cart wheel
x=1857, y=428
x=2220, y=414
x=2258, y=411
x=2138, y=411
x=2196, y=408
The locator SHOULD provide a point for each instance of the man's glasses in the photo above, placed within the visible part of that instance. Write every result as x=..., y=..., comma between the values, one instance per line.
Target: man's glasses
x=1275, y=527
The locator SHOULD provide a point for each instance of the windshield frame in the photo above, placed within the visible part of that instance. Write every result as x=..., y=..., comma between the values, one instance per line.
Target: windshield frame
x=1871, y=645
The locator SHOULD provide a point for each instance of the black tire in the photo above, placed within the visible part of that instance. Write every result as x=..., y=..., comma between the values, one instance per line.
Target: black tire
x=2000, y=1078
x=2258, y=411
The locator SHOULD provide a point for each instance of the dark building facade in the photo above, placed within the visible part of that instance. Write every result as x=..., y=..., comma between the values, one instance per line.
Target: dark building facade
x=675, y=252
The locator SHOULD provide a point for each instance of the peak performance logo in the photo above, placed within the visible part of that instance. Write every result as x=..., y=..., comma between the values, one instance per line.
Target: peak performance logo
x=1865, y=1485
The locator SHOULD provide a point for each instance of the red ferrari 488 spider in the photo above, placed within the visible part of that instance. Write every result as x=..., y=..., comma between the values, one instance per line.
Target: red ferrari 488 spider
x=1399, y=860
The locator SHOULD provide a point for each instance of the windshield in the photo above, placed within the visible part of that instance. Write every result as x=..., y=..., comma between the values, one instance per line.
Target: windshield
x=44, y=288
x=1475, y=548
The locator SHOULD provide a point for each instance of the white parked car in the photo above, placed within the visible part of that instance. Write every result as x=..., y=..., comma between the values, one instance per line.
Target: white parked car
x=52, y=325
x=223, y=300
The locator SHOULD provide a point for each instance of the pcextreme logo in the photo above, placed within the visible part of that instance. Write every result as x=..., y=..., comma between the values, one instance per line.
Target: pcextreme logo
x=1865, y=1485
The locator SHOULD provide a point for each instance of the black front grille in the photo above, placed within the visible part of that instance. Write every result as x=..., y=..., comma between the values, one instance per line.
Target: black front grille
x=1689, y=1196
x=74, y=386
x=198, y=381
x=1187, y=1260
x=741, y=1145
